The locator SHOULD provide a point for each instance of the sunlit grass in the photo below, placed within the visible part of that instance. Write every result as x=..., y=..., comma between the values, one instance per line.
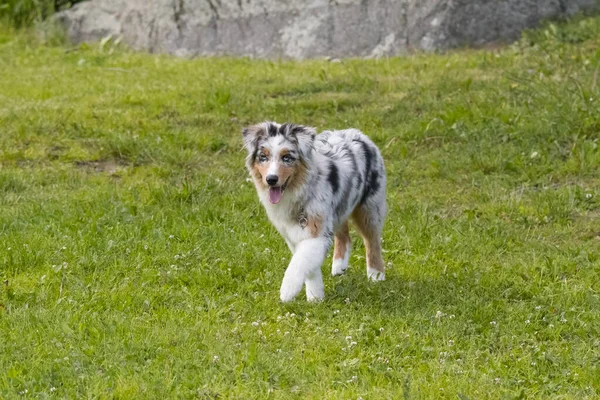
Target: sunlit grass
x=136, y=261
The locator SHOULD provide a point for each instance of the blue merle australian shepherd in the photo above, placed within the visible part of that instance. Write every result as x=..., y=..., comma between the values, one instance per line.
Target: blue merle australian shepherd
x=310, y=185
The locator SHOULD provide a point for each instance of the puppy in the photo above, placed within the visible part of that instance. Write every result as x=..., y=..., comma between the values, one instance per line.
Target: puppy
x=310, y=186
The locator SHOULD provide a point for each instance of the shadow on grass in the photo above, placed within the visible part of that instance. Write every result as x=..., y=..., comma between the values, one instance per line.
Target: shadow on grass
x=400, y=296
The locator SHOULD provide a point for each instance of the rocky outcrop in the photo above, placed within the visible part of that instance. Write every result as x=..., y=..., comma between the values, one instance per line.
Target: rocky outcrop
x=309, y=28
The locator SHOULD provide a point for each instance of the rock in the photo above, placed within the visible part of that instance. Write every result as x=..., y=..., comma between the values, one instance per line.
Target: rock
x=311, y=28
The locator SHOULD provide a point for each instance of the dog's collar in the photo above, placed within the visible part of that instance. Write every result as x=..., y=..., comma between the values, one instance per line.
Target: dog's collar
x=302, y=220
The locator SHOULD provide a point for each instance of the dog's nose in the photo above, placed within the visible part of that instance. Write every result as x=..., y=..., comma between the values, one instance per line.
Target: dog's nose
x=272, y=180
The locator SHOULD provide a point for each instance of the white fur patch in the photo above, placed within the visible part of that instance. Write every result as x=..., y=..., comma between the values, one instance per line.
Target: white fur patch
x=293, y=280
x=375, y=275
x=305, y=267
x=340, y=265
x=315, y=289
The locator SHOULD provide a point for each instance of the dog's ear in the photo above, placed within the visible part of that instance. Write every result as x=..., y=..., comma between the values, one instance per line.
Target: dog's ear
x=304, y=136
x=251, y=136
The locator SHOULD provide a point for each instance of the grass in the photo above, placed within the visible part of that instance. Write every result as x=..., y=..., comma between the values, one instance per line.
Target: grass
x=26, y=13
x=137, y=262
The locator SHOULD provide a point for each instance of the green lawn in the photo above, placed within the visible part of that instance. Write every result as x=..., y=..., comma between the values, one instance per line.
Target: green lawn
x=137, y=262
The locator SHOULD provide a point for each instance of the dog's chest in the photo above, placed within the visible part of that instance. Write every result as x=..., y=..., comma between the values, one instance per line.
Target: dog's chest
x=287, y=223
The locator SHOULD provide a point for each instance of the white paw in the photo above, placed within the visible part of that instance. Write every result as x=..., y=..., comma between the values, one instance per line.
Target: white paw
x=375, y=275
x=312, y=295
x=339, y=266
x=315, y=290
x=291, y=286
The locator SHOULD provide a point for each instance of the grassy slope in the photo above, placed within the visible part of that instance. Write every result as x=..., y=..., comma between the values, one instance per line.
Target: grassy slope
x=136, y=260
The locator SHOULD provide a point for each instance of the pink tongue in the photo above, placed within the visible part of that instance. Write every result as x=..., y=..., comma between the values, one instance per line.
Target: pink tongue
x=275, y=194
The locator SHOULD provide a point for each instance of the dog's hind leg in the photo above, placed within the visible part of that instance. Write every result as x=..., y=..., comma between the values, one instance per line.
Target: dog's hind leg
x=369, y=222
x=341, y=252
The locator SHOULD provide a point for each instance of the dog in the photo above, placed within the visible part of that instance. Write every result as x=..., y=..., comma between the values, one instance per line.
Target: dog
x=310, y=186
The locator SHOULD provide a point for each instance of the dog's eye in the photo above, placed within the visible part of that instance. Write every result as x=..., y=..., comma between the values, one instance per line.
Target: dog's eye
x=262, y=158
x=287, y=159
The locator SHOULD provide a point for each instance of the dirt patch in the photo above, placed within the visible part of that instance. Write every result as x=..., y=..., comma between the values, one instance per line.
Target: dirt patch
x=110, y=167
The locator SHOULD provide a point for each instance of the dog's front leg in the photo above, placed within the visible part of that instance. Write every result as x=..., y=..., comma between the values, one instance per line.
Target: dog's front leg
x=306, y=267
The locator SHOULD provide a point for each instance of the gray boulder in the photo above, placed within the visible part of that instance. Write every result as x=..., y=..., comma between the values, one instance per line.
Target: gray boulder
x=311, y=28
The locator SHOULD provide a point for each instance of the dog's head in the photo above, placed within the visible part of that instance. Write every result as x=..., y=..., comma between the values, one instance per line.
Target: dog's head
x=278, y=156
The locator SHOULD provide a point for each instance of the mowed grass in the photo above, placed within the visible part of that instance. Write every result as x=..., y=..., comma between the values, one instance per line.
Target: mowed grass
x=137, y=262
